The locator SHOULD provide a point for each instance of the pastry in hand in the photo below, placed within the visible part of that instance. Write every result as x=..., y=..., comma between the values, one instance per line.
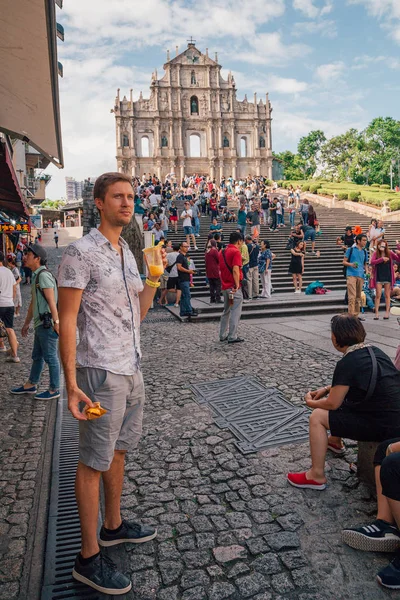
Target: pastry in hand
x=94, y=412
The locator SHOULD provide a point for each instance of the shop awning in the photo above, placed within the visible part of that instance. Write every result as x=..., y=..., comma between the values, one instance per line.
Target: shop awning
x=29, y=95
x=11, y=198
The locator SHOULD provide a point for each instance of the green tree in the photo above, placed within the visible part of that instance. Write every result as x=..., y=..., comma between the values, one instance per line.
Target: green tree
x=294, y=166
x=309, y=148
x=345, y=157
x=383, y=139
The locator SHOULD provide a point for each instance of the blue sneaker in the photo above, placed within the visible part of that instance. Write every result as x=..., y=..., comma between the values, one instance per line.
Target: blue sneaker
x=21, y=390
x=390, y=576
x=47, y=395
x=102, y=575
x=133, y=533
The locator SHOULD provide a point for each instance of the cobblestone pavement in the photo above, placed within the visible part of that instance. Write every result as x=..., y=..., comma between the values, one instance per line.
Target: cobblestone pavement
x=23, y=429
x=229, y=525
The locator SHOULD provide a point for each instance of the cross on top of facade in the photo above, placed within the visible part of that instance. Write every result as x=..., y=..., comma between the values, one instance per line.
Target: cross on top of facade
x=191, y=41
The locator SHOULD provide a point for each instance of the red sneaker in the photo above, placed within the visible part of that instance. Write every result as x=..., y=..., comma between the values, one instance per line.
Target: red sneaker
x=336, y=449
x=300, y=480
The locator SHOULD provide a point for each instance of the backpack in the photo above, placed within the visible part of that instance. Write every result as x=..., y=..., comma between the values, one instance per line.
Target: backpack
x=349, y=260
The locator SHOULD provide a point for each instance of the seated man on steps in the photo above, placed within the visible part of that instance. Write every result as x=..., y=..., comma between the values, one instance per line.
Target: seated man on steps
x=383, y=535
x=363, y=402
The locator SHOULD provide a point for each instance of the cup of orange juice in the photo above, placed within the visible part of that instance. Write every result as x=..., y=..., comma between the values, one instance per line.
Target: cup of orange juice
x=154, y=260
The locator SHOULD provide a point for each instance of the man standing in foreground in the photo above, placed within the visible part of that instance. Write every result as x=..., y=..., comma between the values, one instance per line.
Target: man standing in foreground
x=230, y=264
x=101, y=292
x=356, y=261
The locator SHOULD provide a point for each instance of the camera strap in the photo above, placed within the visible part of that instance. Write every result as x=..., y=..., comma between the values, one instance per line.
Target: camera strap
x=37, y=287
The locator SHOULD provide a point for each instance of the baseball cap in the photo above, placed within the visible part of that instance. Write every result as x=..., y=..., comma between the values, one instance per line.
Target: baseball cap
x=37, y=250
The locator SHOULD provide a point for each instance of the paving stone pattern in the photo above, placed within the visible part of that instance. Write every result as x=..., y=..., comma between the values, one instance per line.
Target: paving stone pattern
x=229, y=526
x=22, y=432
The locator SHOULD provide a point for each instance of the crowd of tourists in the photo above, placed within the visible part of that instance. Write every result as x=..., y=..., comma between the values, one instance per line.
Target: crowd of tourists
x=371, y=269
x=100, y=293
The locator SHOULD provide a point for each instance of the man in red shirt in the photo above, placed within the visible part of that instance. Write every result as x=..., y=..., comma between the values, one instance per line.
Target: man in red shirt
x=230, y=264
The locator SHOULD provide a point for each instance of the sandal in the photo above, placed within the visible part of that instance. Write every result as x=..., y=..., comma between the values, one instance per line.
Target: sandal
x=376, y=318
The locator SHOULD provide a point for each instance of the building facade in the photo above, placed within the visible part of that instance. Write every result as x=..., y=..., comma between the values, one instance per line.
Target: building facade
x=193, y=123
x=73, y=189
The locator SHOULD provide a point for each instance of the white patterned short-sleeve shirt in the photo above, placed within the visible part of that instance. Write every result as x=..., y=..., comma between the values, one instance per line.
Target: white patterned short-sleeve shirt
x=109, y=314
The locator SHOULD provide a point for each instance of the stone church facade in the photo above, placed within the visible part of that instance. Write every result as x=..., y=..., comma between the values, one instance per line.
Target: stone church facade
x=193, y=123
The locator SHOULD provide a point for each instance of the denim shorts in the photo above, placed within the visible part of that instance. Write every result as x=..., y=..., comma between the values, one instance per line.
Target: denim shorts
x=310, y=235
x=121, y=427
x=188, y=230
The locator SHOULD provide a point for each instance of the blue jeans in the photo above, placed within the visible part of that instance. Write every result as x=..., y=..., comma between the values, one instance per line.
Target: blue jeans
x=292, y=217
x=242, y=229
x=185, y=305
x=305, y=217
x=280, y=219
x=45, y=350
x=196, y=225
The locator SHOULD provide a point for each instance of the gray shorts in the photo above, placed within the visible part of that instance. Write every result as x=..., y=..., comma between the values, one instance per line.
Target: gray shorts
x=121, y=427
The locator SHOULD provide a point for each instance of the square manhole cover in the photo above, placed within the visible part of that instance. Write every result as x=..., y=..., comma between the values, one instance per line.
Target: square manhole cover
x=258, y=416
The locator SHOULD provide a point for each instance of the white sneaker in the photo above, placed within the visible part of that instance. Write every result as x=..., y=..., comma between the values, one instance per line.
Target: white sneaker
x=196, y=248
x=13, y=359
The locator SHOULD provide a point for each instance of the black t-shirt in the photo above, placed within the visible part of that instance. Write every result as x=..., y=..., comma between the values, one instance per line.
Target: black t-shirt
x=182, y=260
x=355, y=370
x=348, y=240
x=157, y=189
x=265, y=203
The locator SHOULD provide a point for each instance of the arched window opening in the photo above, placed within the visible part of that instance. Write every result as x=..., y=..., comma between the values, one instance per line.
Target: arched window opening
x=243, y=147
x=164, y=141
x=125, y=140
x=262, y=142
x=193, y=78
x=194, y=105
x=145, y=146
x=226, y=141
x=194, y=146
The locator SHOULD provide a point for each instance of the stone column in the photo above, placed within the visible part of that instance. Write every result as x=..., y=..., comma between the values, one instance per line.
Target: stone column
x=221, y=170
x=182, y=169
x=157, y=147
x=210, y=135
x=234, y=169
x=220, y=144
x=171, y=139
x=212, y=169
x=269, y=135
x=133, y=148
x=180, y=137
x=159, y=169
x=233, y=139
x=258, y=168
x=208, y=81
x=118, y=135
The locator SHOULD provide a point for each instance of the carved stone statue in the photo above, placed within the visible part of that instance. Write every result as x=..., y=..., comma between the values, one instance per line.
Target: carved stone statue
x=262, y=142
x=193, y=78
x=164, y=142
x=226, y=142
x=194, y=105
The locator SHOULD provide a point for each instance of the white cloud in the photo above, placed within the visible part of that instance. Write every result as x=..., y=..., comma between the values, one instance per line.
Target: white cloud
x=329, y=72
x=388, y=11
x=270, y=49
x=324, y=27
x=286, y=85
x=155, y=22
x=311, y=11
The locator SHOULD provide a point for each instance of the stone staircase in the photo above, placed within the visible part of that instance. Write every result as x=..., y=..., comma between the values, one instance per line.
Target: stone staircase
x=327, y=268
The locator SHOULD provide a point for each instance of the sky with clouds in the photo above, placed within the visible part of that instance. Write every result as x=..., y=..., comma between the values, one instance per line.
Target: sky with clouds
x=327, y=64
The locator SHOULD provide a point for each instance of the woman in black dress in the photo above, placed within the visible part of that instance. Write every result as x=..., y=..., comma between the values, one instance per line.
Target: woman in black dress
x=296, y=267
x=382, y=262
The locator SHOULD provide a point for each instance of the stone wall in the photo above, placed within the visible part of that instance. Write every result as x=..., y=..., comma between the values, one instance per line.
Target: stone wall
x=90, y=213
